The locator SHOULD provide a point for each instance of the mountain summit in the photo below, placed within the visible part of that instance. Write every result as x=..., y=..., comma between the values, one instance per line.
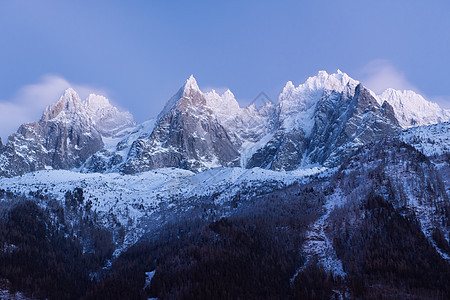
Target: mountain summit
x=68, y=105
x=187, y=134
x=411, y=109
x=69, y=132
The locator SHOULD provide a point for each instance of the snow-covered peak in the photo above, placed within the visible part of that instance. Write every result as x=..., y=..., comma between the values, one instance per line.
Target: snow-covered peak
x=96, y=110
x=69, y=102
x=189, y=90
x=411, y=109
x=296, y=99
x=107, y=118
x=333, y=82
x=222, y=105
x=228, y=94
x=287, y=92
x=97, y=102
x=97, y=106
x=405, y=96
x=70, y=98
x=225, y=104
x=318, y=81
x=191, y=87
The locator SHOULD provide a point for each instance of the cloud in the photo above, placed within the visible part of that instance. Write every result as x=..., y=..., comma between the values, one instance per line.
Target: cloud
x=30, y=101
x=378, y=75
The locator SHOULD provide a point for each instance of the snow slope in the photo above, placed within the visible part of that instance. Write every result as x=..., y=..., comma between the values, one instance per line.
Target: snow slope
x=411, y=109
x=430, y=140
x=132, y=199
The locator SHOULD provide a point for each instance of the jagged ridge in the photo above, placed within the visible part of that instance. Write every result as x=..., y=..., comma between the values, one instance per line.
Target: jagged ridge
x=319, y=122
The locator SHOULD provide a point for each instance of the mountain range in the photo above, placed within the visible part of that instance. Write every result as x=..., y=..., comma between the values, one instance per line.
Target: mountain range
x=319, y=122
x=332, y=191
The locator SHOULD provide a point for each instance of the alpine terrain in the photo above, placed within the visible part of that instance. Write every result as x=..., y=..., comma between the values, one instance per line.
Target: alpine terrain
x=332, y=191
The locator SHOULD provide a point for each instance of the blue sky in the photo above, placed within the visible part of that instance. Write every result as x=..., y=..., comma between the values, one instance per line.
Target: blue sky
x=139, y=53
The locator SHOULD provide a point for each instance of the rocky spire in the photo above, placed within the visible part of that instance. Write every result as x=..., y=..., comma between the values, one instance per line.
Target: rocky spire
x=69, y=102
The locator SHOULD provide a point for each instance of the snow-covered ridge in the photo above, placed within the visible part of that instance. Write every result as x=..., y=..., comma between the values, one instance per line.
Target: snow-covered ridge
x=301, y=98
x=198, y=130
x=224, y=104
x=430, y=140
x=148, y=188
x=133, y=198
x=107, y=118
x=69, y=103
x=411, y=109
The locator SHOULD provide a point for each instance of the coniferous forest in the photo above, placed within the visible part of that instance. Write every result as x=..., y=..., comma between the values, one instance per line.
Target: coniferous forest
x=253, y=254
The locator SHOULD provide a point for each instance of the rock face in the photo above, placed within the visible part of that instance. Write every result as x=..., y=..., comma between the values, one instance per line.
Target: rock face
x=345, y=121
x=187, y=135
x=68, y=133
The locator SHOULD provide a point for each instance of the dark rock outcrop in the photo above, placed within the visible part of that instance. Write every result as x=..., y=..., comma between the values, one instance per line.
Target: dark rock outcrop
x=343, y=122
